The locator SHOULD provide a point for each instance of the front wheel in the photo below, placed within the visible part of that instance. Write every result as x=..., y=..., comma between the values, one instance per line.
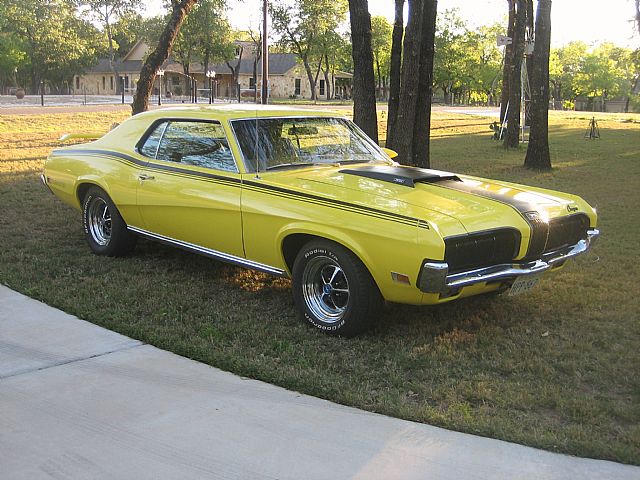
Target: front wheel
x=333, y=290
x=105, y=230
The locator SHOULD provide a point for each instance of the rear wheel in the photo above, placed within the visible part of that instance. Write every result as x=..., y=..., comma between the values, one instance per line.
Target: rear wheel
x=105, y=230
x=333, y=290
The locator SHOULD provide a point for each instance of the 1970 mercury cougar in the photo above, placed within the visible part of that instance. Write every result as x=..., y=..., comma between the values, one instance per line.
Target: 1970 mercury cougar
x=305, y=194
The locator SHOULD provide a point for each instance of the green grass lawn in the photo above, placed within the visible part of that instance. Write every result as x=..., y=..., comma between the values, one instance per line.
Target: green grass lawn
x=557, y=369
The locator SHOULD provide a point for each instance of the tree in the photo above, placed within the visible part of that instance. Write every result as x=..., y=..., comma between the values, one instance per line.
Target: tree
x=512, y=135
x=131, y=27
x=50, y=41
x=381, y=36
x=508, y=59
x=449, y=69
x=601, y=74
x=395, y=66
x=638, y=15
x=565, y=65
x=107, y=12
x=538, y=156
x=179, y=11
x=302, y=26
x=411, y=132
x=364, y=98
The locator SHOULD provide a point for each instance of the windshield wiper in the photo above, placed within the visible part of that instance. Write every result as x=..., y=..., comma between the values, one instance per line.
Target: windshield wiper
x=290, y=165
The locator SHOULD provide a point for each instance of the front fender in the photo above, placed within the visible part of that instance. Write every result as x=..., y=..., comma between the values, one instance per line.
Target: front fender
x=381, y=253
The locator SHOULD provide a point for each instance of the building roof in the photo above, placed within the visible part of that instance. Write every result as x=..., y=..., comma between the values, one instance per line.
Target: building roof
x=128, y=66
x=279, y=64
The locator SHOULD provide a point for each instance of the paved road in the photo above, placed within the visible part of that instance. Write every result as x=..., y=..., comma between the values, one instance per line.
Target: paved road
x=80, y=402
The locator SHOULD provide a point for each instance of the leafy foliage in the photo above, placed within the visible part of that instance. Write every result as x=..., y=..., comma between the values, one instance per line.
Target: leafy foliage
x=45, y=40
x=308, y=29
x=206, y=35
x=467, y=63
x=606, y=71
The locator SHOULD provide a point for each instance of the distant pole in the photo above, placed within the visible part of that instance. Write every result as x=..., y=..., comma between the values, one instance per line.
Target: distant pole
x=42, y=93
x=122, y=82
x=160, y=75
x=265, y=56
x=195, y=90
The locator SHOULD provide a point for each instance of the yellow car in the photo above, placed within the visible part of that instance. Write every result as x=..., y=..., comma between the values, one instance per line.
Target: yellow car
x=305, y=194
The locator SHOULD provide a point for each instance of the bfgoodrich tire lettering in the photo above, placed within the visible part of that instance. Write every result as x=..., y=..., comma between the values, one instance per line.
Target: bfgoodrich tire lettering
x=105, y=230
x=333, y=290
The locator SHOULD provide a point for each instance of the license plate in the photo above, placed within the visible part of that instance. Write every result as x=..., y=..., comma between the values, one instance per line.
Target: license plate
x=523, y=284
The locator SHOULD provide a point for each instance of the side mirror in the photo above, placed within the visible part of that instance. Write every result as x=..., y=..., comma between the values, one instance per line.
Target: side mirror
x=391, y=153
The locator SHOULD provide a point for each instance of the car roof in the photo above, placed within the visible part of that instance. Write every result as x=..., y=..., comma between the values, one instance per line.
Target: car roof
x=234, y=112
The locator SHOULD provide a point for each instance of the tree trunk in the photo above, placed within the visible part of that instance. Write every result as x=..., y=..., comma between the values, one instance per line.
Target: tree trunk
x=508, y=59
x=364, y=85
x=422, y=125
x=638, y=15
x=395, y=69
x=512, y=135
x=310, y=77
x=538, y=156
x=112, y=56
x=327, y=85
x=411, y=131
x=379, y=82
x=180, y=10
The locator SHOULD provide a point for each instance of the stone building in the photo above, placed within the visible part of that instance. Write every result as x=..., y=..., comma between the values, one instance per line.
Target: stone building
x=287, y=78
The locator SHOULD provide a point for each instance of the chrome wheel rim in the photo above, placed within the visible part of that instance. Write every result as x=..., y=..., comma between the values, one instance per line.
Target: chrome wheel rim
x=325, y=289
x=99, y=221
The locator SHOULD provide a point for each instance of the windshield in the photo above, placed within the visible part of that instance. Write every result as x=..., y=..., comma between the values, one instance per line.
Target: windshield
x=291, y=142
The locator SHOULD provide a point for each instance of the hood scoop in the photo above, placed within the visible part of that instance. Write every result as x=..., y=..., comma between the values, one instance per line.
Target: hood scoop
x=407, y=176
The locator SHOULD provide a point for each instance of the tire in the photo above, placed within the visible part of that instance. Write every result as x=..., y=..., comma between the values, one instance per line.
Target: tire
x=105, y=230
x=333, y=290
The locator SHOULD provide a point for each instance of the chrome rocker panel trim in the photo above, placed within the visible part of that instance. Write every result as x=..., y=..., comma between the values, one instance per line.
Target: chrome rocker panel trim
x=434, y=276
x=225, y=257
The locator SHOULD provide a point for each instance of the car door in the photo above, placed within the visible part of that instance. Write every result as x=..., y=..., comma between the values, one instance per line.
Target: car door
x=189, y=189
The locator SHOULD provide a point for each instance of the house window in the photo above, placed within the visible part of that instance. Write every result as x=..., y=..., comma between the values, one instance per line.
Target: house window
x=111, y=81
x=77, y=83
x=175, y=80
x=252, y=82
x=104, y=83
x=321, y=87
x=297, y=90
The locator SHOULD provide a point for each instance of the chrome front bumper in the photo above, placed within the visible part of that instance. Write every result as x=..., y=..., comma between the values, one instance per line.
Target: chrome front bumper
x=435, y=278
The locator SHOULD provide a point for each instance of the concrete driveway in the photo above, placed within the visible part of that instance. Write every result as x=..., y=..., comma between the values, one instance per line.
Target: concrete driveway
x=80, y=402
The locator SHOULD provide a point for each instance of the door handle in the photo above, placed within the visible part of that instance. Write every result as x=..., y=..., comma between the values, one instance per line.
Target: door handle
x=144, y=176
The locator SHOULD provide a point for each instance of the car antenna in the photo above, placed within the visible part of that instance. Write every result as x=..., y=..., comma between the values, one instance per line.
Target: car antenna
x=256, y=147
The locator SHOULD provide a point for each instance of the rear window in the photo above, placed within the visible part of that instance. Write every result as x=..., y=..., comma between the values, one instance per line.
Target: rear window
x=200, y=144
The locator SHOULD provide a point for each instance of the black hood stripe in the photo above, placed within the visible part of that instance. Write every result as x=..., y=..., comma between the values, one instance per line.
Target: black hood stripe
x=521, y=206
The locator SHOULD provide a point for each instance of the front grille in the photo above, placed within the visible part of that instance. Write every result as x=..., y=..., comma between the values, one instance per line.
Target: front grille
x=566, y=231
x=481, y=249
x=555, y=234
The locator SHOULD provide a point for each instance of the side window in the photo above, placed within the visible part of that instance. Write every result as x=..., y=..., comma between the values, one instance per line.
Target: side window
x=201, y=144
x=150, y=146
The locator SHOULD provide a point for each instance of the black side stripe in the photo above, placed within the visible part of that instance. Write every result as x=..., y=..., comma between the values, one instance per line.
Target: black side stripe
x=144, y=164
x=252, y=185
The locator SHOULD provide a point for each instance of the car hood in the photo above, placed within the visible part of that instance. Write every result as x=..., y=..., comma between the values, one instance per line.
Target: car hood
x=453, y=204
